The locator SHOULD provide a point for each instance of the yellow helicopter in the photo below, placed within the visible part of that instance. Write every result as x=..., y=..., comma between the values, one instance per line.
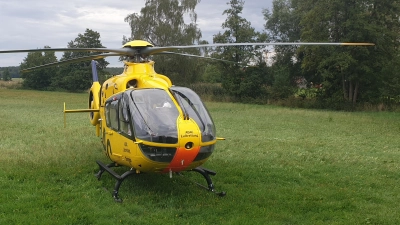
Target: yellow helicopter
x=146, y=123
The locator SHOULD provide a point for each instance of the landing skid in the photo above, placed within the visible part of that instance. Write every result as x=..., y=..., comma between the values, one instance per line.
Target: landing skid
x=115, y=175
x=206, y=174
x=102, y=167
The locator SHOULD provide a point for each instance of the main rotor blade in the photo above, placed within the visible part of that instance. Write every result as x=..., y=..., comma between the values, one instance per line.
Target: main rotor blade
x=124, y=51
x=154, y=50
x=197, y=56
x=68, y=61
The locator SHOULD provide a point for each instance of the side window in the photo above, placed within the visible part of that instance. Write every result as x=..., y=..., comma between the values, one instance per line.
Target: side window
x=112, y=114
x=124, y=121
x=108, y=122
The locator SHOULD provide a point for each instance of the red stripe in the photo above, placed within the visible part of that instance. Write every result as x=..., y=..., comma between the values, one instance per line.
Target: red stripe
x=182, y=154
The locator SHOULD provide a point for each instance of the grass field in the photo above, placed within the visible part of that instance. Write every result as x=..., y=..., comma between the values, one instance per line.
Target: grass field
x=278, y=166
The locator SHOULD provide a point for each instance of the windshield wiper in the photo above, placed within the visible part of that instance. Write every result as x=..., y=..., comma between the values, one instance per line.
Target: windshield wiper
x=179, y=100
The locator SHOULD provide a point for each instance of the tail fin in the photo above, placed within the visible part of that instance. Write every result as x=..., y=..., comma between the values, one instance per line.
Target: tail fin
x=94, y=96
x=94, y=71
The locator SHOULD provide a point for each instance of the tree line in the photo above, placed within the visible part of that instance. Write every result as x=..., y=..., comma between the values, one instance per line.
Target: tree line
x=71, y=77
x=329, y=75
x=6, y=73
x=345, y=74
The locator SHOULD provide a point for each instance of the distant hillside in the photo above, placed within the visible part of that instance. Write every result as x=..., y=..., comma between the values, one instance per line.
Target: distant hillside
x=114, y=70
x=14, y=71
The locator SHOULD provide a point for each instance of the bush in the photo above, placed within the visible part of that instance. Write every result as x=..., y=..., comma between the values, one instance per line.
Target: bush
x=210, y=91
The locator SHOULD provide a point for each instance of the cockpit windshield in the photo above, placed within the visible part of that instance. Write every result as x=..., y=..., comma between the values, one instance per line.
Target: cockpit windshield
x=154, y=116
x=193, y=107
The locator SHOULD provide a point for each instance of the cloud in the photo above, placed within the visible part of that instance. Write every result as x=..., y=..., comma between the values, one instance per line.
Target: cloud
x=27, y=24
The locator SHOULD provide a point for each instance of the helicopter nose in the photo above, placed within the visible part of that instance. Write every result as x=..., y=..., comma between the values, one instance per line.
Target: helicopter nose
x=189, y=139
x=184, y=156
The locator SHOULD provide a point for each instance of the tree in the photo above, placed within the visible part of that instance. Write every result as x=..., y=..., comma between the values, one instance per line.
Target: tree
x=348, y=73
x=6, y=75
x=385, y=31
x=283, y=25
x=390, y=86
x=238, y=30
x=162, y=24
x=351, y=73
x=78, y=76
x=212, y=74
x=39, y=79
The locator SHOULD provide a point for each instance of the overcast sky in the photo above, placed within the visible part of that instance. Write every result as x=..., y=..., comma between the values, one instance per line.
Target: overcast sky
x=27, y=24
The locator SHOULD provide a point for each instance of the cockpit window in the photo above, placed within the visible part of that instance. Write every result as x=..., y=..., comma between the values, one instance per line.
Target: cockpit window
x=154, y=116
x=194, y=108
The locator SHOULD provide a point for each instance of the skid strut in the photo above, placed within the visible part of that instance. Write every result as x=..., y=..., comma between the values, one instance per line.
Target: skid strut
x=120, y=178
x=206, y=174
x=115, y=175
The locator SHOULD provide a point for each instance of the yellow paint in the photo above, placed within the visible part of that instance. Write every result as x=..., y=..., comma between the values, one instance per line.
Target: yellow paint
x=125, y=151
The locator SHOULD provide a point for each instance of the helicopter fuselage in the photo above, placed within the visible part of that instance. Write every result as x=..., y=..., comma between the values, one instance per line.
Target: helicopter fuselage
x=149, y=125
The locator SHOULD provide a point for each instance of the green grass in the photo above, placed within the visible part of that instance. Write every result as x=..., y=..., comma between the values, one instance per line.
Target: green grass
x=278, y=166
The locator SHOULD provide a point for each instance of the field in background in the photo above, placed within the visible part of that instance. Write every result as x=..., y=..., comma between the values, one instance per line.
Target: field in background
x=12, y=84
x=278, y=166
